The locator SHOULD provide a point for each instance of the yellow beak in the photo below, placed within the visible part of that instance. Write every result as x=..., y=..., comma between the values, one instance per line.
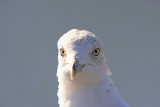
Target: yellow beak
x=72, y=74
x=74, y=68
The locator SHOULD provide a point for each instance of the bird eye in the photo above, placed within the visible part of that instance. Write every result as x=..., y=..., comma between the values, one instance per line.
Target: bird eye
x=96, y=51
x=62, y=52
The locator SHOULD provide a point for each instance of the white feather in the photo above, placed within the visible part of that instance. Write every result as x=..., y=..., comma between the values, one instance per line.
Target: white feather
x=92, y=86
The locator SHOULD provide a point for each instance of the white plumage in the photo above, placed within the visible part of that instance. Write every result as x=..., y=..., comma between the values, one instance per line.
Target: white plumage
x=83, y=74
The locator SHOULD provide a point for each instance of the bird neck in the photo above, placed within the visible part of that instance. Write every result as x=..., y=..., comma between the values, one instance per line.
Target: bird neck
x=70, y=87
x=83, y=92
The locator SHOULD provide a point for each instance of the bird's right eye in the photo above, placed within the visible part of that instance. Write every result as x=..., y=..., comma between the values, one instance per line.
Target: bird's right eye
x=62, y=52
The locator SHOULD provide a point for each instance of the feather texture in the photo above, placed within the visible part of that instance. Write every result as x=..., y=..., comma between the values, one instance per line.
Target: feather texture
x=91, y=86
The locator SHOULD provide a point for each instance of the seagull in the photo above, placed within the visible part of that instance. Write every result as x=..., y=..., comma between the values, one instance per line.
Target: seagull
x=83, y=75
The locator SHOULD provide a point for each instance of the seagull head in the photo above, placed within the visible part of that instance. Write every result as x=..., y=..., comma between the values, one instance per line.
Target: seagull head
x=80, y=57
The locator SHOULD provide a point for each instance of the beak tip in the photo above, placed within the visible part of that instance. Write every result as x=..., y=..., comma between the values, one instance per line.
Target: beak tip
x=71, y=78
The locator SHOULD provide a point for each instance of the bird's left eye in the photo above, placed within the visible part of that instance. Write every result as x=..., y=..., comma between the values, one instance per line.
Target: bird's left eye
x=62, y=52
x=96, y=51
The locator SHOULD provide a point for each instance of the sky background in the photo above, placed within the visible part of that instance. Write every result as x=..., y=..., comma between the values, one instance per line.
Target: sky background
x=30, y=29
